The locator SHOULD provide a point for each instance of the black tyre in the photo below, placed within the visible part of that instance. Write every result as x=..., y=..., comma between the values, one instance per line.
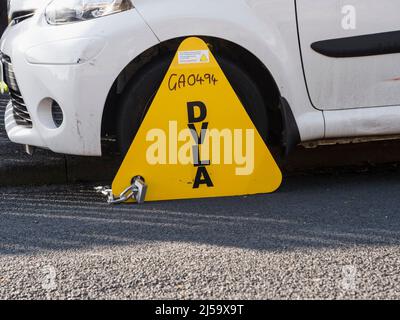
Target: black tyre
x=140, y=92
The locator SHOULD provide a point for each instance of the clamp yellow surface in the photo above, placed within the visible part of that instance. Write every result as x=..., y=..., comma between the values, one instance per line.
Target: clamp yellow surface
x=197, y=139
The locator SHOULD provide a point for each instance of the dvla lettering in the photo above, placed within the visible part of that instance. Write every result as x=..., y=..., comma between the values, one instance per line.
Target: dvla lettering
x=202, y=175
x=179, y=311
x=202, y=146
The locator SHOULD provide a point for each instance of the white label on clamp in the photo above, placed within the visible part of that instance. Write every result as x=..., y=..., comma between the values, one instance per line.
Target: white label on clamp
x=195, y=56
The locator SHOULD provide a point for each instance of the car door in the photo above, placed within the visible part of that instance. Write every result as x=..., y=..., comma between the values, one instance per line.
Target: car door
x=351, y=52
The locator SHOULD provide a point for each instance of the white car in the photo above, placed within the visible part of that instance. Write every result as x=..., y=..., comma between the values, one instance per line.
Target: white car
x=306, y=70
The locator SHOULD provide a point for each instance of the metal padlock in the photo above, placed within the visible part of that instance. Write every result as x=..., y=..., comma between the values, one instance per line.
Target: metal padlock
x=140, y=189
x=136, y=191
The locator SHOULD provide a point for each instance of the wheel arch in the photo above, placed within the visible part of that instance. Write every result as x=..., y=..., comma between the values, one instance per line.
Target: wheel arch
x=230, y=50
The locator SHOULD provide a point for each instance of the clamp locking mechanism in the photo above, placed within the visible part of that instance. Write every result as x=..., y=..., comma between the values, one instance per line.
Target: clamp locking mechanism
x=136, y=191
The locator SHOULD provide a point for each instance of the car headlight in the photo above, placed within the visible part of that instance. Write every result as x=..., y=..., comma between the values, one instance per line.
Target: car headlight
x=68, y=11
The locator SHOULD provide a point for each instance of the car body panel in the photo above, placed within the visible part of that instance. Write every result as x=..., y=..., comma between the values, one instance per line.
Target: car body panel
x=25, y=5
x=362, y=122
x=79, y=87
x=350, y=82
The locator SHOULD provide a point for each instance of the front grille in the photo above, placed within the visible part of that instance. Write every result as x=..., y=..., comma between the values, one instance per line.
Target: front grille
x=20, y=112
x=57, y=114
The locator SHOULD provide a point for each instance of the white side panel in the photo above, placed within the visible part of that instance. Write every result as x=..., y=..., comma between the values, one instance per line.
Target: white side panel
x=22, y=5
x=362, y=122
x=345, y=83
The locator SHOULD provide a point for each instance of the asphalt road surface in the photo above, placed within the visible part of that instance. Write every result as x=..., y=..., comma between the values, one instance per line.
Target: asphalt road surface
x=321, y=236
x=333, y=234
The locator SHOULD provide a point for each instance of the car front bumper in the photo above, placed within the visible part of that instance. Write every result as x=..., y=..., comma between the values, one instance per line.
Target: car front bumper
x=73, y=65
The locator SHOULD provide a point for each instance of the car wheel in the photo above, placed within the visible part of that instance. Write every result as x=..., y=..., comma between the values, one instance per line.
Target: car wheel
x=140, y=92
